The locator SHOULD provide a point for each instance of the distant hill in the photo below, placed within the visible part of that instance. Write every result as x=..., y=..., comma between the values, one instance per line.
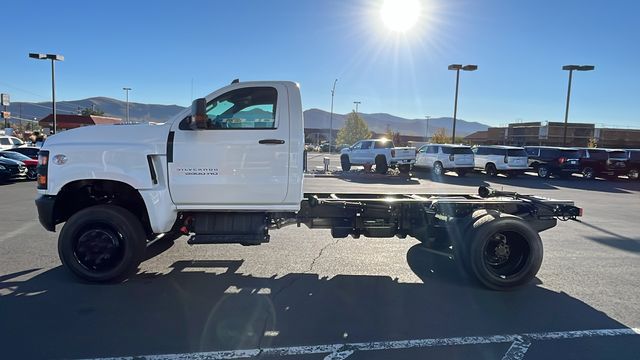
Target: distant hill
x=319, y=119
x=111, y=107
x=313, y=118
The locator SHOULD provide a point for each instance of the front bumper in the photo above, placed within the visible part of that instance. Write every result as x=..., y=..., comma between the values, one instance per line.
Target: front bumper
x=45, y=204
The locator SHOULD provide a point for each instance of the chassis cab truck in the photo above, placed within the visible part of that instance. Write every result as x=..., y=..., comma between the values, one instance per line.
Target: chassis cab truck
x=229, y=170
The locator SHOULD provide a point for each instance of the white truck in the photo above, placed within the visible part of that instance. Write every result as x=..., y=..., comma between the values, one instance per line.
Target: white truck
x=229, y=170
x=381, y=152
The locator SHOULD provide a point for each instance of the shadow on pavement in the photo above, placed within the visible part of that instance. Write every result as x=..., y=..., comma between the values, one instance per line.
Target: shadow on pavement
x=613, y=239
x=362, y=177
x=212, y=305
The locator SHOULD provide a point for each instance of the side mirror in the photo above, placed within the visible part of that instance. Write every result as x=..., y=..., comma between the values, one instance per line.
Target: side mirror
x=199, y=114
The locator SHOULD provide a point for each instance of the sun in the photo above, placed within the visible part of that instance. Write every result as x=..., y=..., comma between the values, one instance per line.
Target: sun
x=400, y=15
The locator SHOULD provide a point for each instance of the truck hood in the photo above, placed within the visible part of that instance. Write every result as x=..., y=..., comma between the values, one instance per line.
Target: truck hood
x=146, y=135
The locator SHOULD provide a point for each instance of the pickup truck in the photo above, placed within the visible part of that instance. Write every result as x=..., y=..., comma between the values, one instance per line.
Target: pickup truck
x=380, y=152
x=229, y=170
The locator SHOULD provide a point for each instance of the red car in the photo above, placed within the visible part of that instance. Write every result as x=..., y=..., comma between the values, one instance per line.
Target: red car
x=27, y=161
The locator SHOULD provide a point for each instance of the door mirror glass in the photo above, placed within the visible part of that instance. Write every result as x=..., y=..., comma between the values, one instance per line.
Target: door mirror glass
x=199, y=114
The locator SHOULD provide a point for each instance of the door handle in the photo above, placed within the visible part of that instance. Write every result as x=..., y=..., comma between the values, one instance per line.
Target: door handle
x=271, y=141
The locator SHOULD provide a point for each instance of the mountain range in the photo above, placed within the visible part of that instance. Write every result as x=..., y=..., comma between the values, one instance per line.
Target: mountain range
x=314, y=118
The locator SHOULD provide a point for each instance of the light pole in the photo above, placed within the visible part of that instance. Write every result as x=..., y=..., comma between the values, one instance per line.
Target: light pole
x=457, y=68
x=571, y=68
x=426, y=133
x=333, y=91
x=53, y=58
x=357, y=103
x=126, y=90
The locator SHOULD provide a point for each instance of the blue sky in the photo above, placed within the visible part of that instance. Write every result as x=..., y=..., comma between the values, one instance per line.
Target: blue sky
x=158, y=48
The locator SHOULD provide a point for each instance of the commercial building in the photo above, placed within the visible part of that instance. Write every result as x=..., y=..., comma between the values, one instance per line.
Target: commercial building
x=67, y=122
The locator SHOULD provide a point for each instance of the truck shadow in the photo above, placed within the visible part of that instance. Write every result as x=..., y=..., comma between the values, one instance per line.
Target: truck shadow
x=212, y=305
x=362, y=177
x=613, y=239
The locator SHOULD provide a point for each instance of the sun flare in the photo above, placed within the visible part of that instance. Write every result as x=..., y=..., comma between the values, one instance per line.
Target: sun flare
x=400, y=15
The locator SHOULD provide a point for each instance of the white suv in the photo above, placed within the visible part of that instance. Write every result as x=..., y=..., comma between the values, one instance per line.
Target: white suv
x=495, y=159
x=440, y=158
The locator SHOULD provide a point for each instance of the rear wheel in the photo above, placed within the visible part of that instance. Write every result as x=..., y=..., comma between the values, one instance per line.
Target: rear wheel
x=634, y=174
x=102, y=243
x=588, y=173
x=404, y=168
x=438, y=169
x=504, y=252
x=344, y=162
x=543, y=171
x=490, y=170
x=381, y=165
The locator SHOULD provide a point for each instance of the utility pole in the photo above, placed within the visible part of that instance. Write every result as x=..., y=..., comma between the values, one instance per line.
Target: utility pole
x=357, y=103
x=53, y=58
x=333, y=91
x=457, y=68
x=571, y=68
x=426, y=133
x=126, y=89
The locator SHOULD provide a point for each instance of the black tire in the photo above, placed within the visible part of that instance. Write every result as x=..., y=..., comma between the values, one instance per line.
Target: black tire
x=438, y=169
x=461, y=172
x=99, y=233
x=344, y=162
x=634, y=174
x=504, y=251
x=490, y=170
x=588, y=173
x=32, y=174
x=543, y=172
x=404, y=168
x=381, y=165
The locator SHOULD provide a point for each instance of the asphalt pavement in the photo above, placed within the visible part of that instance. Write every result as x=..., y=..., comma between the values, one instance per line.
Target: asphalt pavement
x=305, y=295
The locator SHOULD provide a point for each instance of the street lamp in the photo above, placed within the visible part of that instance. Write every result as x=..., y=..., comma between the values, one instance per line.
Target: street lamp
x=53, y=58
x=333, y=91
x=571, y=68
x=357, y=103
x=457, y=68
x=126, y=90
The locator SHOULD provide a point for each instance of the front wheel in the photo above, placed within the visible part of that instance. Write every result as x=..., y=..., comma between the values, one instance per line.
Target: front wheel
x=491, y=170
x=381, y=165
x=588, y=173
x=102, y=243
x=404, y=168
x=461, y=172
x=32, y=174
x=438, y=169
x=504, y=252
x=344, y=162
x=634, y=174
x=543, y=172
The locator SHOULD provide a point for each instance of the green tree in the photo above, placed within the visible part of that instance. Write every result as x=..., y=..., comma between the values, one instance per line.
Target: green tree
x=92, y=111
x=355, y=129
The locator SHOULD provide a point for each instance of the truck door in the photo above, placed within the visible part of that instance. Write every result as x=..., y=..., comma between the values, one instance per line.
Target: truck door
x=242, y=156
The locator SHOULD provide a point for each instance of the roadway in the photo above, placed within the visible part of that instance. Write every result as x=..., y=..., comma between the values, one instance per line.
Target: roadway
x=305, y=295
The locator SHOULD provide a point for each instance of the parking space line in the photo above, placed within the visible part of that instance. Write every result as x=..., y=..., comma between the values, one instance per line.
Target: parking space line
x=17, y=231
x=517, y=350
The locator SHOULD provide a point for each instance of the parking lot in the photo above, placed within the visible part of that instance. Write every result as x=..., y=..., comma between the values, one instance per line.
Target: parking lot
x=306, y=295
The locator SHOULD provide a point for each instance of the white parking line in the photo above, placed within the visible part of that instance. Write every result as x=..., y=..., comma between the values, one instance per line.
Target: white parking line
x=17, y=231
x=517, y=350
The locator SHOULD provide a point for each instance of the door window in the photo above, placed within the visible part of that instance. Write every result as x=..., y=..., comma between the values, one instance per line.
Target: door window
x=246, y=108
x=4, y=141
x=357, y=146
x=366, y=145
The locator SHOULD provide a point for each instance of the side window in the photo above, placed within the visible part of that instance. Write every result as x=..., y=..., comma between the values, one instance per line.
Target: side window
x=481, y=151
x=4, y=141
x=422, y=149
x=532, y=151
x=357, y=146
x=366, y=145
x=246, y=108
x=431, y=150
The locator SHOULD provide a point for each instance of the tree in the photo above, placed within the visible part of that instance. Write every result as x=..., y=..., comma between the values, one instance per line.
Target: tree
x=439, y=137
x=92, y=111
x=593, y=143
x=355, y=129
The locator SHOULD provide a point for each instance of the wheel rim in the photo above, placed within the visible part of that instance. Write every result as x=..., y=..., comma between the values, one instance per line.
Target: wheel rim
x=543, y=172
x=588, y=173
x=31, y=175
x=437, y=169
x=491, y=170
x=505, y=254
x=99, y=248
x=634, y=174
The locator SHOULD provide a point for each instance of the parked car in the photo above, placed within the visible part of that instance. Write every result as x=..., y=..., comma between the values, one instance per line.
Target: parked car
x=547, y=160
x=602, y=162
x=498, y=159
x=27, y=161
x=11, y=169
x=633, y=164
x=381, y=153
x=30, y=151
x=440, y=158
x=9, y=142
